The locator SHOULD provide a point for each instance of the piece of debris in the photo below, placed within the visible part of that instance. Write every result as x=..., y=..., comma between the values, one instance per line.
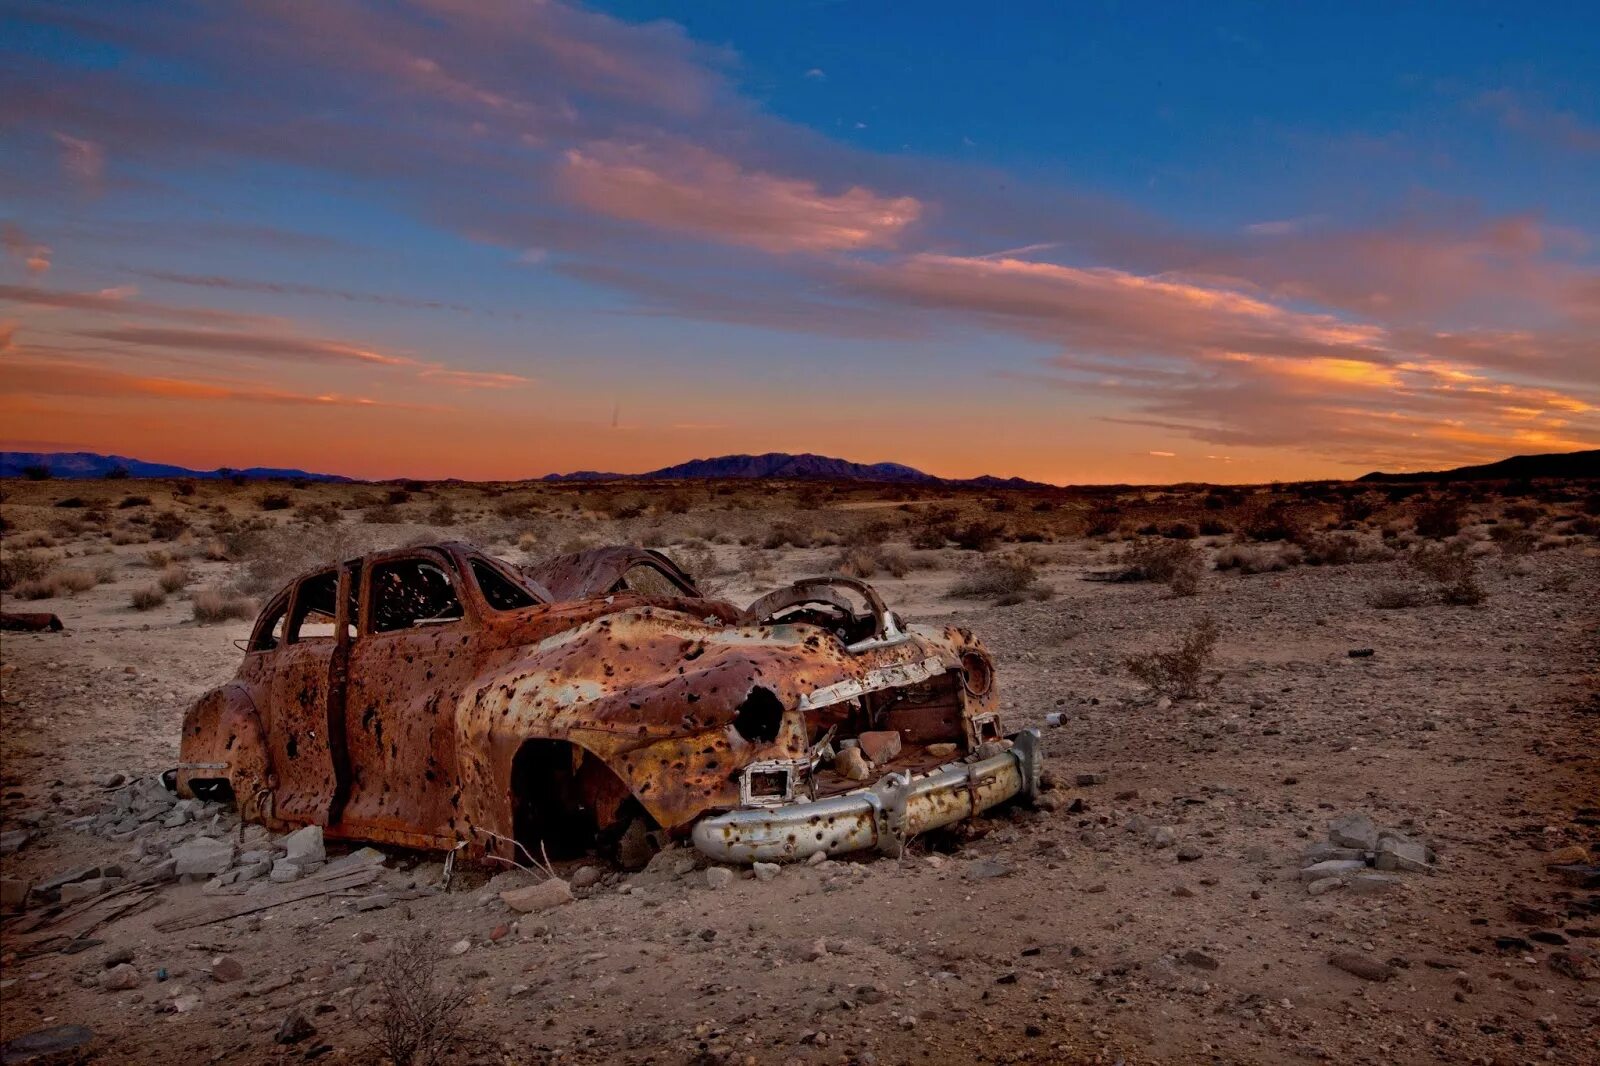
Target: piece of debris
x=880, y=745
x=121, y=978
x=766, y=871
x=304, y=847
x=1362, y=966
x=221, y=910
x=29, y=622
x=294, y=1029
x=551, y=892
x=1360, y=653
x=203, y=856
x=226, y=968
x=852, y=765
x=1354, y=830
x=45, y=1043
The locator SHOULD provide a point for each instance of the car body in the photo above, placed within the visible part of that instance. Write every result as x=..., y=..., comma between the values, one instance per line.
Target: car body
x=433, y=696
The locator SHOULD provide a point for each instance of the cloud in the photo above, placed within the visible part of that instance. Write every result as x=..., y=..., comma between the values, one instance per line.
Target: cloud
x=261, y=345
x=687, y=189
x=1560, y=129
x=50, y=377
x=17, y=244
x=82, y=159
x=115, y=301
x=474, y=379
x=290, y=288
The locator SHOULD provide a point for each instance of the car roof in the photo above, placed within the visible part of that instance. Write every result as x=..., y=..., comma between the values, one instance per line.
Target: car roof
x=586, y=574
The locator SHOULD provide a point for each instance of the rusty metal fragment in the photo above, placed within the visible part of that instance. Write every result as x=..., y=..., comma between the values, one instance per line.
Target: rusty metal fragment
x=29, y=622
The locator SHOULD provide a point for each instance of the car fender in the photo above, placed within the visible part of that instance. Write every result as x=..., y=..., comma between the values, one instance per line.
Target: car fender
x=223, y=738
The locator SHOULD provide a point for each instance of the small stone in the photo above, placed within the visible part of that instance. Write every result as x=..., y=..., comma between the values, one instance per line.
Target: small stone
x=1163, y=836
x=880, y=745
x=226, y=968
x=376, y=902
x=586, y=877
x=12, y=841
x=718, y=877
x=766, y=871
x=1332, y=868
x=460, y=947
x=1354, y=830
x=1087, y=779
x=284, y=871
x=499, y=933
x=941, y=751
x=120, y=978
x=294, y=1029
x=852, y=765
x=1200, y=959
x=1190, y=853
x=817, y=950
x=111, y=780
x=552, y=892
x=1325, y=884
x=118, y=957
x=1363, y=966
x=816, y=858
x=304, y=846
x=1573, y=854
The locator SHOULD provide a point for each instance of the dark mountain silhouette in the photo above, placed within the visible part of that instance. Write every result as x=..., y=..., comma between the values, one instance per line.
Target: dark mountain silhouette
x=797, y=467
x=95, y=465
x=1519, y=467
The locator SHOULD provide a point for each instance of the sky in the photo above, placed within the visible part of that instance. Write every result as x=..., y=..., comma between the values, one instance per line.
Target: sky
x=1087, y=242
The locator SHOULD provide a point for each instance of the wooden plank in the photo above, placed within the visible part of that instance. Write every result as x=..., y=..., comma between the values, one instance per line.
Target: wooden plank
x=222, y=910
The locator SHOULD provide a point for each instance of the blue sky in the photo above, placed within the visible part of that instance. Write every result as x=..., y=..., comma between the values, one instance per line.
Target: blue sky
x=1097, y=242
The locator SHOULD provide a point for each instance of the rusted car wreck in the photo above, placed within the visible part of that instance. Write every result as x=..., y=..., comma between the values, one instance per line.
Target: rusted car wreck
x=433, y=695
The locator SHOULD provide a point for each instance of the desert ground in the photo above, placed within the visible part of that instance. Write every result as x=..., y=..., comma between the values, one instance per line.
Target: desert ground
x=1152, y=907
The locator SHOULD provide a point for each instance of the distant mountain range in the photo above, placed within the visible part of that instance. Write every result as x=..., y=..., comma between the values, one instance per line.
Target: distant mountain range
x=95, y=465
x=798, y=467
x=1518, y=467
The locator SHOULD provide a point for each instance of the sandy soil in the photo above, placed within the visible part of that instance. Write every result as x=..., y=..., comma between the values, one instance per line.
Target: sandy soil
x=1065, y=933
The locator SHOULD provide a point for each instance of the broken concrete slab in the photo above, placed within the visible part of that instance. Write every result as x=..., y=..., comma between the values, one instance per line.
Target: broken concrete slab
x=1332, y=868
x=203, y=856
x=1354, y=830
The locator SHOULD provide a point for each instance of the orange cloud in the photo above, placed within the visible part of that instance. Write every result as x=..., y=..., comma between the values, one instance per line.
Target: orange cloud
x=32, y=254
x=25, y=377
x=688, y=189
x=474, y=379
x=237, y=342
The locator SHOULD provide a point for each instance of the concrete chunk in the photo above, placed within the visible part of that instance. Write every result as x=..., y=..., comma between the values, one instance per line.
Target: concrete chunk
x=304, y=846
x=203, y=856
x=1398, y=853
x=1354, y=830
x=1332, y=868
x=542, y=896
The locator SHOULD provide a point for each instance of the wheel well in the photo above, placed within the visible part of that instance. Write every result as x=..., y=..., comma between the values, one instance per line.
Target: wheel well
x=563, y=798
x=217, y=789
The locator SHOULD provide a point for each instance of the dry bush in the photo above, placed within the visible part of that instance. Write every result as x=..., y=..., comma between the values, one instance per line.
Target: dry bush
x=1170, y=562
x=1010, y=578
x=442, y=513
x=106, y=573
x=857, y=562
x=324, y=513
x=123, y=535
x=1514, y=540
x=896, y=560
x=168, y=525
x=1273, y=522
x=19, y=566
x=212, y=606
x=756, y=565
x=74, y=579
x=1438, y=519
x=276, y=501
x=411, y=1018
x=33, y=538
x=1394, y=597
x=147, y=598
x=780, y=534
x=1453, y=572
x=35, y=588
x=978, y=536
x=129, y=502
x=174, y=577
x=382, y=514
x=1249, y=559
x=1184, y=672
x=1341, y=549
x=70, y=501
x=271, y=557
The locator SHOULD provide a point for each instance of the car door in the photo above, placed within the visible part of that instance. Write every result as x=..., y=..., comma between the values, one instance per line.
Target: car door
x=407, y=671
x=305, y=733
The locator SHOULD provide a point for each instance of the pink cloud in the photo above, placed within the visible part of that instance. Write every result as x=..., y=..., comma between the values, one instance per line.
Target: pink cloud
x=687, y=189
x=17, y=244
x=267, y=345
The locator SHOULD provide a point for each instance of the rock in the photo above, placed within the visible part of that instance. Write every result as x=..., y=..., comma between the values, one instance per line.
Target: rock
x=635, y=848
x=1190, y=853
x=46, y=1044
x=460, y=947
x=586, y=877
x=1163, y=836
x=284, y=871
x=294, y=1029
x=816, y=858
x=111, y=780
x=1363, y=966
x=359, y=859
x=376, y=902
x=1398, y=853
x=13, y=893
x=852, y=765
x=718, y=877
x=88, y=889
x=552, y=892
x=254, y=870
x=11, y=842
x=162, y=872
x=983, y=869
x=1332, y=868
x=880, y=745
x=1373, y=884
x=1354, y=830
x=766, y=871
x=1085, y=780
x=1325, y=884
x=203, y=856
x=303, y=847
x=1200, y=959
x=118, y=957
x=185, y=1003
x=120, y=978
x=1573, y=854
x=226, y=968
x=941, y=751
x=1322, y=850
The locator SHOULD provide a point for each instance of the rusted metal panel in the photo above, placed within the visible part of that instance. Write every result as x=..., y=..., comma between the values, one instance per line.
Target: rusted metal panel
x=586, y=574
x=29, y=622
x=665, y=702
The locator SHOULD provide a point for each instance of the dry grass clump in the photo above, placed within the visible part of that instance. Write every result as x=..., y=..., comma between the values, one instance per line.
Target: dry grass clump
x=17, y=567
x=782, y=534
x=148, y=598
x=1453, y=572
x=212, y=606
x=1341, y=549
x=1185, y=671
x=1010, y=579
x=173, y=577
x=58, y=582
x=410, y=1018
x=978, y=536
x=1438, y=519
x=1176, y=563
x=1395, y=596
x=1514, y=540
x=865, y=562
x=276, y=501
x=1253, y=559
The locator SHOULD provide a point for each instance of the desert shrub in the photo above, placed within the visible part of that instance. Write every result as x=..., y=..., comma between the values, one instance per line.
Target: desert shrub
x=323, y=513
x=71, y=501
x=73, y=579
x=168, y=525
x=675, y=502
x=1453, y=573
x=896, y=560
x=1251, y=559
x=37, y=472
x=978, y=536
x=106, y=573
x=129, y=502
x=1180, y=531
x=212, y=606
x=1011, y=578
x=857, y=562
x=1181, y=673
x=183, y=488
x=930, y=537
x=1158, y=560
x=780, y=534
x=1526, y=513
x=35, y=588
x=276, y=501
x=147, y=598
x=382, y=514
x=397, y=496
x=1340, y=549
x=17, y=567
x=1438, y=519
x=621, y=508
x=1271, y=523
x=1395, y=596
x=1357, y=509
x=1513, y=540
x=1214, y=527
x=173, y=578
x=442, y=513
x=410, y=1018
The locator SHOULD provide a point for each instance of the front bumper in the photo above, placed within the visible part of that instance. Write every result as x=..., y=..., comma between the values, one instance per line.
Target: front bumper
x=883, y=816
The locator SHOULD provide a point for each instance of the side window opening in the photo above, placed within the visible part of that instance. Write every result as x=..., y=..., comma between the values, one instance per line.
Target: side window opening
x=650, y=581
x=315, y=608
x=408, y=593
x=499, y=591
x=269, y=632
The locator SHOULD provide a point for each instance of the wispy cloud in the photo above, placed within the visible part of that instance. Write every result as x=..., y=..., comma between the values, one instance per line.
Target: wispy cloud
x=1552, y=126
x=29, y=252
x=291, y=288
x=237, y=342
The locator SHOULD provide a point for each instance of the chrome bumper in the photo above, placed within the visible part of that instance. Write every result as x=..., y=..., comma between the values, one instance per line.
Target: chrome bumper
x=883, y=816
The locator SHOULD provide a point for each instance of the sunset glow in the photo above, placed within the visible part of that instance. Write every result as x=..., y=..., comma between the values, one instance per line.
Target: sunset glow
x=506, y=238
